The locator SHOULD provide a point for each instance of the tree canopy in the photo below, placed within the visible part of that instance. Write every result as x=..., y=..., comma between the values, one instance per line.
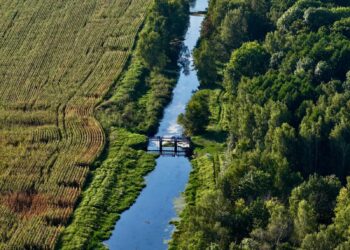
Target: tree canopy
x=283, y=71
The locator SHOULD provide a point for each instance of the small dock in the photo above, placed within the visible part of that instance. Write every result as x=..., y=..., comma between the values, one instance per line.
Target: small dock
x=172, y=146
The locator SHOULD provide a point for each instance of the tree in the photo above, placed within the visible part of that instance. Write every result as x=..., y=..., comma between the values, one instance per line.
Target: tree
x=252, y=185
x=249, y=60
x=342, y=211
x=320, y=193
x=336, y=235
x=234, y=28
x=294, y=14
x=216, y=221
x=165, y=22
x=152, y=39
x=343, y=27
x=326, y=239
x=205, y=60
x=278, y=229
x=317, y=17
x=313, y=130
x=305, y=222
x=323, y=71
x=340, y=147
x=197, y=114
x=284, y=142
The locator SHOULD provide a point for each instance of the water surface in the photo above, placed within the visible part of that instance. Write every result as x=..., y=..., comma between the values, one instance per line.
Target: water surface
x=145, y=225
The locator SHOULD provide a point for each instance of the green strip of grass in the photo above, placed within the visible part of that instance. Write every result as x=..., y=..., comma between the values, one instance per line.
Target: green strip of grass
x=114, y=188
x=133, y=107
x=206, y=163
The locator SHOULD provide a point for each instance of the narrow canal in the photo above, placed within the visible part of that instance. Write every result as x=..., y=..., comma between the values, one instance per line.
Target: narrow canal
x=145, y=226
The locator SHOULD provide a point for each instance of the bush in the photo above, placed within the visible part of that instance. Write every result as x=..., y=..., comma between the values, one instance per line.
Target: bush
x=196, y=116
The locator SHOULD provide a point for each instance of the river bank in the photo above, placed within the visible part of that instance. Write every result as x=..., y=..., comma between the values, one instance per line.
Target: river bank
x=131, y=110
x=146, y=225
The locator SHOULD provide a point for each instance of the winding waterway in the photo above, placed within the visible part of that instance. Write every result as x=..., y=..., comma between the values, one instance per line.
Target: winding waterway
x=145, y=226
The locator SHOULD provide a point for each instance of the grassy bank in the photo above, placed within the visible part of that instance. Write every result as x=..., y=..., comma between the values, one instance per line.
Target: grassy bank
x=207, y=163
x=131, y=110
x=115, y=185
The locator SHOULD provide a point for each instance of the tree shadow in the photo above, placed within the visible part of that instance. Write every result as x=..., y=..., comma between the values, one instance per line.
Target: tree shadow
x=218, y=136
x=211, y=137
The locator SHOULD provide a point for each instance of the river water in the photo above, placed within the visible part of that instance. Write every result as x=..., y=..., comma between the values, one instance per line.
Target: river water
x=145, y=226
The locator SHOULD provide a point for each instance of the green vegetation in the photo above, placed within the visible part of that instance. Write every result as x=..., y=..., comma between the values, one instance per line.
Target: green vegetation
x=115, y=185
x=271, y=166
x=131, y=110
x=136, y=103
x=196, y=117
x=63, y=63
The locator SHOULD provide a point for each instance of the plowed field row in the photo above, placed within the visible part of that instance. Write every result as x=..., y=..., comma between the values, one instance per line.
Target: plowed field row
x=57, y=61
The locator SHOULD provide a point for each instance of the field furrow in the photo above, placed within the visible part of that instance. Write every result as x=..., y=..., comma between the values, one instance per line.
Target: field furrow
x=57, y=61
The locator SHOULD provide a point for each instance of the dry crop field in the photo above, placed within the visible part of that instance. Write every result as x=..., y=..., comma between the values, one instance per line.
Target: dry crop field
x=57, y=61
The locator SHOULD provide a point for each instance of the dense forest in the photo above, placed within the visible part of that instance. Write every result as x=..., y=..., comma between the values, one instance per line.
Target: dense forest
x=272, y=127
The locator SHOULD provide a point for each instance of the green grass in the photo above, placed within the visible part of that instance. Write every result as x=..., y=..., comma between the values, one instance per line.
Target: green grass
x=132, y=107
x=115, y=185
x=138, y=98
x=208, y=159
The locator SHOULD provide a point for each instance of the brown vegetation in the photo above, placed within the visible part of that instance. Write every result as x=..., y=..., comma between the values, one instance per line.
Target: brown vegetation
x=57, y=61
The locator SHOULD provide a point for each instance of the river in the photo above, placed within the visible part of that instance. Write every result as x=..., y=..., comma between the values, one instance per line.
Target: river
x=146, y=225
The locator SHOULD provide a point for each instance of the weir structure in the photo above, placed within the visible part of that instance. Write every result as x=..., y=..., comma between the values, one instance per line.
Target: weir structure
x=172, y=146
x=198, y=13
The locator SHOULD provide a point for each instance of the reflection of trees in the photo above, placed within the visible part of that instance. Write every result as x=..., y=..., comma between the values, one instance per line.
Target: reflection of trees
x=192, y=3
x=184, y=60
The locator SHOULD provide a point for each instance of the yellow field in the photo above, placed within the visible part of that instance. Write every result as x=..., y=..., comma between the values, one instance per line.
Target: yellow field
x=58, y=58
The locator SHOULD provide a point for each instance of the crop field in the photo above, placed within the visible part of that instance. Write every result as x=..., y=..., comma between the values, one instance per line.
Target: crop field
x=57, y=61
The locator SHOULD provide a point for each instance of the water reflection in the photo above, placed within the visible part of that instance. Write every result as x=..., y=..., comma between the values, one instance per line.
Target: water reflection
x=199, y=5
x=146, y=224
x=184, y=60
